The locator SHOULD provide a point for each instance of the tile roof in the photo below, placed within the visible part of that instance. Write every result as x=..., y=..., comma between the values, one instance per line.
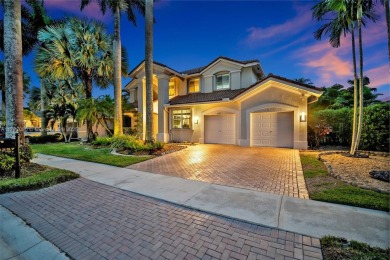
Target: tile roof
x=231, y=94
x=199, y=69
x=205, y=97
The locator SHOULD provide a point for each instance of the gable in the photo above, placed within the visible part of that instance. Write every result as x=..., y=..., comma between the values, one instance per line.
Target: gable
x=219, y=66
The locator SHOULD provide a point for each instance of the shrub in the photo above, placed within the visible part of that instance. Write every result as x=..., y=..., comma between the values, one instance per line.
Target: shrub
x=103, y=141
x=6, y=162
x=375, y=135
x=45, y=139
x=334, y=127
x=159, y=145
x=26, y=153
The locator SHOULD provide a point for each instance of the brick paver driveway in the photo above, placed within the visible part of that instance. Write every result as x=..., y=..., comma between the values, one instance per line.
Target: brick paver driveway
x=88, y=220
x=275, y=170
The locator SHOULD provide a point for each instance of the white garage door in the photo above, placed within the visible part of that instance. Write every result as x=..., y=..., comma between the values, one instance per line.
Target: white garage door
x=272, y=129
x=220, y=129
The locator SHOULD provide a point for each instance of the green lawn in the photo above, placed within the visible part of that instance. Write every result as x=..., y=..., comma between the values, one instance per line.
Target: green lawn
x=323, y=187
x=340, y=248
x=87, y=153
x=39, y=180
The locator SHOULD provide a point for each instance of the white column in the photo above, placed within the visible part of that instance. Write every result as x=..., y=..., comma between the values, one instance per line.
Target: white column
x=235, y=79
x=141, y=92
x=208, y=83
x=163, y=98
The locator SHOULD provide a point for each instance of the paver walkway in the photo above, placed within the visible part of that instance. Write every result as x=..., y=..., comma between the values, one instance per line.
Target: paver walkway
x=274, y=170
x=89, y=220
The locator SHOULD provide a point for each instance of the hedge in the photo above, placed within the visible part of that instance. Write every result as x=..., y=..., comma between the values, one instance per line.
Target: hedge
x=334, y=127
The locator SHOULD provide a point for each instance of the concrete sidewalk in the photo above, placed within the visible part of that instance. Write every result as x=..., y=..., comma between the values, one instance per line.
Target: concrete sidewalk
x=18, y=241
x=307, y=217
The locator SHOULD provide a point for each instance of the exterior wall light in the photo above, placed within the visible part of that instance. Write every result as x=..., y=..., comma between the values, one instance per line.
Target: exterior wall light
x=302, y=117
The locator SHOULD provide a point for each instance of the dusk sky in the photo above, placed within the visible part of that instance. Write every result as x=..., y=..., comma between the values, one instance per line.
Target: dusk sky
x=190, y=34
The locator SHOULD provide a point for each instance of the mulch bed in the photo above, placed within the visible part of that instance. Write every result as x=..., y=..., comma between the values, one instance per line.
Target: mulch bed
x=168, y=148
x=356, y=171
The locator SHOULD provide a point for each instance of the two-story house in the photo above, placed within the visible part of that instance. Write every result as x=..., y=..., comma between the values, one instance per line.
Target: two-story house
x=225, y=102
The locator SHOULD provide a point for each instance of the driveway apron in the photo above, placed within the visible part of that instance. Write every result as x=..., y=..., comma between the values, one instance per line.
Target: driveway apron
x=274, y=170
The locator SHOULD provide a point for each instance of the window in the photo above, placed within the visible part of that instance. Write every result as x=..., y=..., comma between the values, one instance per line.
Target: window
x=223, y=81
x=193, y=86
x=181, y=118
x=172, y=88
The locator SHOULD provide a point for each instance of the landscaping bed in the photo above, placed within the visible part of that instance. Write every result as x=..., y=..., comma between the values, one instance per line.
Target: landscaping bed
x=356, y=171
x=35, y=176
x=166, y=149
x=335, y=248
x=324, y=187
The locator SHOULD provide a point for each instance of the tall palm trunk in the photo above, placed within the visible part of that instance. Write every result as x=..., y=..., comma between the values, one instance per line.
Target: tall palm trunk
x=149, y=68
x=118, y=130
x=360, y=123
x=387, y=10
x=3, y=101
x=355, y=94
x=43, y=109
x=13, y=68
x=88, y=95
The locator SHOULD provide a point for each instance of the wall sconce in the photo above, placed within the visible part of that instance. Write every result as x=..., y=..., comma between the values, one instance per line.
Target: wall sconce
x=302, y=117
x=196, y=122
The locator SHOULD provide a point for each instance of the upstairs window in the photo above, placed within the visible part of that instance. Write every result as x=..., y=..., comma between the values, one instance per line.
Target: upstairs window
x=172, y=89
x=181, y=118
x=223, y=81
x=193, y=86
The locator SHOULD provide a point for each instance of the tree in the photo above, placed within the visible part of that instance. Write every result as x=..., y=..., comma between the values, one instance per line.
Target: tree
x=117, y=6
x=304, y=81
x=76, y=49
x=149, y=69
x=13, y=69
x=337, y=96
x=96, y=111
x=33, y=17
x=26, y=85
x=61, y=99
x=347, y=14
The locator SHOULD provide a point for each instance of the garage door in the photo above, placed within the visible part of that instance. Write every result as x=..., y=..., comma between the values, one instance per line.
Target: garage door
x=219, y=129
x=272, y=129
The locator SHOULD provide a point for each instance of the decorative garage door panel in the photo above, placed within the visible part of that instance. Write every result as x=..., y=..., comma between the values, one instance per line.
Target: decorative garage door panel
x=272, y=129
x=220, y=129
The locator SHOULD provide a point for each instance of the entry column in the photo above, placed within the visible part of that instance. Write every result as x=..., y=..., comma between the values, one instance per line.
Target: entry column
x=163, y=98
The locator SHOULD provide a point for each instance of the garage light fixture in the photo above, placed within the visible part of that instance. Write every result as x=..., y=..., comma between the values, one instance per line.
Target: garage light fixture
x=302, y=117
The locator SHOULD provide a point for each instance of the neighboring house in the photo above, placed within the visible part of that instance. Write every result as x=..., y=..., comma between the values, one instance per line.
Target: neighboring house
x=225, y=102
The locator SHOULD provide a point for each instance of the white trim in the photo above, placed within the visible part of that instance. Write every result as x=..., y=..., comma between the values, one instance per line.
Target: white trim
x=285, y=85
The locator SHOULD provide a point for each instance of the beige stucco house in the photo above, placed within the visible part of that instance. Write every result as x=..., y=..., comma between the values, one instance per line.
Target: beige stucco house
x=226, y=102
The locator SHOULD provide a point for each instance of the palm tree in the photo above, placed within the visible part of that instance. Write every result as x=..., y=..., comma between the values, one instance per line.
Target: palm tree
x=304, y=81
x=76, y=49
x=149, y=69
x=344, y=23
x=116, y=6
x=2, y=88
x=33, y=17
x=96, y=111
x=13, y=68
x=387, y=14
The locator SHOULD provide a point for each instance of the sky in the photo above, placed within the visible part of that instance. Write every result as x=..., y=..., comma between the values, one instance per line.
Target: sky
x=189, y=34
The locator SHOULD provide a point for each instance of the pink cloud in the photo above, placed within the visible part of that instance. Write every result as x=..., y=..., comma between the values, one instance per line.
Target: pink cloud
x=379, y=76
x=91, y=11
x=330, y=68
x=258, y=35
